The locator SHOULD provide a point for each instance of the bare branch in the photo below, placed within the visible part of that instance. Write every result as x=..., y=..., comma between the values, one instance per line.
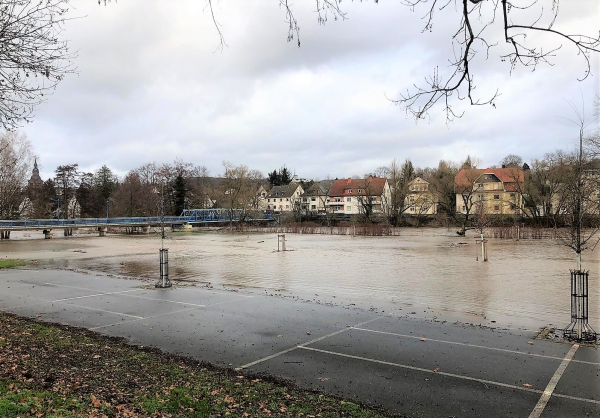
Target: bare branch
x=33, y=59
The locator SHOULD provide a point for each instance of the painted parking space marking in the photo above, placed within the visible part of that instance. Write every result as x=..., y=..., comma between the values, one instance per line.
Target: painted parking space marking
x=141, y=318
x=476, y=346
x=101, y=310
x=458, y=376
x=221, y=292
x=575, y=398
x=543, y=401
x=157, y=299
x=245, y=366
x=94, y=295
x=420, y=369
x=166, y=300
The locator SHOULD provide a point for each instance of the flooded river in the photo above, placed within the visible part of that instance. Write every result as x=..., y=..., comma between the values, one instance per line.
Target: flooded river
x=527, y=280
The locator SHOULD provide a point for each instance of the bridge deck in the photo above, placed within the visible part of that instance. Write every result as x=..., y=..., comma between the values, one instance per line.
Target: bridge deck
x=189, y=216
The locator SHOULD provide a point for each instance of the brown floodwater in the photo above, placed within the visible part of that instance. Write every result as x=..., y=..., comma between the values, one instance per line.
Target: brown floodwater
x=527, y=279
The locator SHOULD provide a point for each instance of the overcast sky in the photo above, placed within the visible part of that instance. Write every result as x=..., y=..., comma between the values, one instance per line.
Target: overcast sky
x=151, y=88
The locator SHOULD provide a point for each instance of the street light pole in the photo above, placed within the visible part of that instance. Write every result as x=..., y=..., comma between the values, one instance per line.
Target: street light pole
x=58, y=210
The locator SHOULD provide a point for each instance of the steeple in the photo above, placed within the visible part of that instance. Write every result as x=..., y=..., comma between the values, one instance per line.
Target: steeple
x=35, y=175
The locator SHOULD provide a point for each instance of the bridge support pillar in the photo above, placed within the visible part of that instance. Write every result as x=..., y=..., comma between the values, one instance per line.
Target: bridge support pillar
x=47, y=233
x=68, y=232
x=102, y=231
x=5, y=234
x=187, y=227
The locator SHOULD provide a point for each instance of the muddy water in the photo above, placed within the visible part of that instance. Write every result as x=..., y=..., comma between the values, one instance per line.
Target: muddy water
x=528, y=279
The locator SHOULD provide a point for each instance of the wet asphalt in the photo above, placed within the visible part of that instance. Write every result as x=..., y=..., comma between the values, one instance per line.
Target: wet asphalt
x=415, y=367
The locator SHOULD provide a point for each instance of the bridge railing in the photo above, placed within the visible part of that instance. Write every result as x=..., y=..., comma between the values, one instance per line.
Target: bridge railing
x=188, y=216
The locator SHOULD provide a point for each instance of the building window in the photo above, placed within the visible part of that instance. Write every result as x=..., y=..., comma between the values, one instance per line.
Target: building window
x=312, y=199
x=496, y=196
x=496, y=207
x=348, y=208
x=349, y=190
x=512, y=196
x=359, y=190
x=412, y=209
x=313, y=207
x=348, y=199
x=268, y=200
x=464, y=209
x=480, y=197
x=287, y=199
x=287, y=206
x=337, y=199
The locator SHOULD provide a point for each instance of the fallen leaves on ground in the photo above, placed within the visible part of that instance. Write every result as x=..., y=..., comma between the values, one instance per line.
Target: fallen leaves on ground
x=61, y=365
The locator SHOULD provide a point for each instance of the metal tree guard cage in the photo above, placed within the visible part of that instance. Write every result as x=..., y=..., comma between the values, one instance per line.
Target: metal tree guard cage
x=164, y=269
x=579, y=329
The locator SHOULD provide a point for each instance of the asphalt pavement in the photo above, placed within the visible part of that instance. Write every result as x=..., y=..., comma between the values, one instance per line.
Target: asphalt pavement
x=420, y=367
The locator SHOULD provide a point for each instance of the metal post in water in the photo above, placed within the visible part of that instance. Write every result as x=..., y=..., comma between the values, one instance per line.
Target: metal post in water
x=281, y=239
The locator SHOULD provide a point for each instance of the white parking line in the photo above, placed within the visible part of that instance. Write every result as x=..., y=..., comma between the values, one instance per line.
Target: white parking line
x=419, y=369
x=221, y=292
x=139, y=319
x=541, y=405
x=102, y=310
x=575, y=398
x=165, y=300
x=97, y=294
x=475, y=346
x=245, y=366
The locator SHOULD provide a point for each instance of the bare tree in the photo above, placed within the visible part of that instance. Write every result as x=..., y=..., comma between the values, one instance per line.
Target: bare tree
x=33, y=58
x=16, y=160
x=238, y=189
x=482, y=26
x=441, y=183
x=466, y=188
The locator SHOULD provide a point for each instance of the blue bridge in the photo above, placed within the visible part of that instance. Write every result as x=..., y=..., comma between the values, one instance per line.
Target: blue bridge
x=188, y=216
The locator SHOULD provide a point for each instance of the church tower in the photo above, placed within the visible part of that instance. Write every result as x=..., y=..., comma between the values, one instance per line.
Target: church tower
x=35, y=179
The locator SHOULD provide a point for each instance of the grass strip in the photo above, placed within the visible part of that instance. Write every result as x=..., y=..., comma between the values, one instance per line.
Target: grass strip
x=6, y=264
x=59, y=371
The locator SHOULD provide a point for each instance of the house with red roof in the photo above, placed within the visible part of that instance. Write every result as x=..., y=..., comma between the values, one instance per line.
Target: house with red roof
x=359, y=196
x=496, y=191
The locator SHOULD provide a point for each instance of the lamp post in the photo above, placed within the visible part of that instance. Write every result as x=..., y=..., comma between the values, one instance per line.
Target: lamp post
x=58, y=210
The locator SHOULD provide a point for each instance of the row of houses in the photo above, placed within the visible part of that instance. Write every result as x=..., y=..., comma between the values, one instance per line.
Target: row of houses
x=342, y=197
x=493, y=190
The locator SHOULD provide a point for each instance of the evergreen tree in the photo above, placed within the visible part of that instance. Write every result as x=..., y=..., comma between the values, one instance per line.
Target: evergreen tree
x=180, y=194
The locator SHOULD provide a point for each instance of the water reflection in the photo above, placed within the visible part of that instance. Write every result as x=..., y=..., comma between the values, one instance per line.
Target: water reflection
x=525, y=279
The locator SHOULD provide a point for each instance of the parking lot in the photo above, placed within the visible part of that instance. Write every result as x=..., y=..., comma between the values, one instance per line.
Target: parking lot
x=415, y=367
